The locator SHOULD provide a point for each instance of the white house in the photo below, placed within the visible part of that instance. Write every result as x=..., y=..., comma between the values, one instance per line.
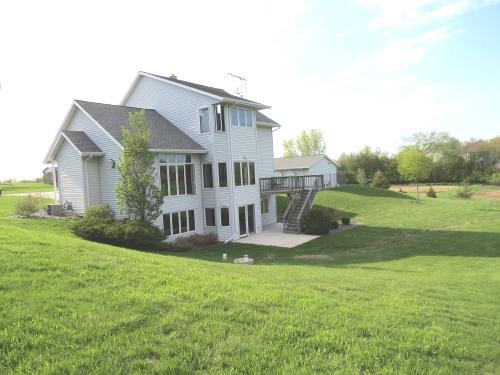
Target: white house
x=308, y=166
x=213, y=151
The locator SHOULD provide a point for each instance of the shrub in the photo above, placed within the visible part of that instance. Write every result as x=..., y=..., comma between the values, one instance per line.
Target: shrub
x=346, y=220
x=317, y=221
x=494, y=179
x=380, y=181
x=102, y=213
x=335, y=224
x=28, y=205
x=128, y=233
x=431, y=193
x=332, y=213
x=361, y=177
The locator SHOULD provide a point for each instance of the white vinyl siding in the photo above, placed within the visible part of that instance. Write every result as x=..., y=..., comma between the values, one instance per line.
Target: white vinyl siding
x=108, y=176
x=92, y=181
x=71, y=178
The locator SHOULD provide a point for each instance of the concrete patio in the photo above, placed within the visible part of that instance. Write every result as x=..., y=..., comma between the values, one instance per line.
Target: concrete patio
x=272, y=235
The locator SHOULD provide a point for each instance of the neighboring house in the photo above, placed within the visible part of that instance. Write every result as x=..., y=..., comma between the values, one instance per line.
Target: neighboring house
x=308, y=166
x=48, y=175
x=213, y=151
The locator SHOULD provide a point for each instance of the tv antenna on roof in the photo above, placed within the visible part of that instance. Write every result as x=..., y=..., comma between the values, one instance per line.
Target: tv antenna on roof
x=243, y=85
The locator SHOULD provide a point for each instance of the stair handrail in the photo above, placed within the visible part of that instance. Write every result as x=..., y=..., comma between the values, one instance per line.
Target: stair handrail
x=308, y=202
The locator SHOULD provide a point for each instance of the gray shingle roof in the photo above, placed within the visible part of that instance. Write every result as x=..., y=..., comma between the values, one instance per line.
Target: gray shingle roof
x=298, y=162
x=81, y=141
x=164, y=134
x=260, y=117
x=209, y=89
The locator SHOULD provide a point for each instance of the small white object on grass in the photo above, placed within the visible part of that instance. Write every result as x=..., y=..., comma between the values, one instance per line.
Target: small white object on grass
x=244, y=260
x=224, y=256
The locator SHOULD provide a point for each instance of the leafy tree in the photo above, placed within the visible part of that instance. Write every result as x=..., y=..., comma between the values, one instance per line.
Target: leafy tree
x=370, y=161
x=379, y=180
x=361, y=177
x=307, y=143
x=414, y=165
x=137, y=193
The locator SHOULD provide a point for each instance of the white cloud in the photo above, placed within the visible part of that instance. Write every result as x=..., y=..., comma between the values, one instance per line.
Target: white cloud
x=405, y=14
x=398, y=55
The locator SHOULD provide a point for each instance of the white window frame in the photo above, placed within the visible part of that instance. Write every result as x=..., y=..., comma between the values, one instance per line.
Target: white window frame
x=266, y=205
x=203, y=175
x=248, y=172
x=246, y=111
x=189, y=229
x=228, y=216
x=199, y=119
x=224, y=122
x=176, y=164
x=205, y=217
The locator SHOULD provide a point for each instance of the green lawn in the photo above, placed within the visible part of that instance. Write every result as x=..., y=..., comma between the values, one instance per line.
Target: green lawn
x=25, y=187
x=414, y=290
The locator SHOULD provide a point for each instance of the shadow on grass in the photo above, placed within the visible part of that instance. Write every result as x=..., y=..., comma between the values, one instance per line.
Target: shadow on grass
x=363, y=245
x=367, y=191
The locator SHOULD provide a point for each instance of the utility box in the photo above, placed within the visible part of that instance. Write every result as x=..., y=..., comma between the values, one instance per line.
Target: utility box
x=54, y=210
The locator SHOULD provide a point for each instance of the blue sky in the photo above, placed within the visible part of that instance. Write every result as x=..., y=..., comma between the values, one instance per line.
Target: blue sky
x=365, y=72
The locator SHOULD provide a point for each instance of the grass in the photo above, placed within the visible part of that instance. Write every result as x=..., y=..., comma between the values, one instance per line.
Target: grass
x=415, y=289
x=25, y=187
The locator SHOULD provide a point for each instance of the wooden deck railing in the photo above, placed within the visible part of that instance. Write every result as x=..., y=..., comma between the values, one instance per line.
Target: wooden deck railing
x=290, y=183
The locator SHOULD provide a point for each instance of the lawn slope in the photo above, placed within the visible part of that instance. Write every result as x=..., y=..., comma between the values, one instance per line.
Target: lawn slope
x=386, y=297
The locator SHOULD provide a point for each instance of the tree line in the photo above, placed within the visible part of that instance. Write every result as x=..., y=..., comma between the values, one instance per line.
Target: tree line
x=434, y=157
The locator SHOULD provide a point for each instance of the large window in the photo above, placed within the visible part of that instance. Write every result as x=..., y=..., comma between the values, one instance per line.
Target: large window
x=222, y=175
x=241, y=117
x=177, y=174
x=208, y=177
x=224, y=216
x=244, y=173
x=220, y=123
x=204, y=121
x=210, y=217
x=179, y=222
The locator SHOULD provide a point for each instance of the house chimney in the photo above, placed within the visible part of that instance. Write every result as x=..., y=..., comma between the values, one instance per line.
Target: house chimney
x=172, y=76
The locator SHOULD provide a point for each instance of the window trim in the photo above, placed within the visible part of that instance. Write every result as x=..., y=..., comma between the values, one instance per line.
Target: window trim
x=248, y=174
x=203, y=175
x=219, y=174
x=228, y=217
x=223, y=118
x=179, y=222
x=205, y=217
x=262, y=205
x=199, y=117
x=176, y=165
x=246, y=112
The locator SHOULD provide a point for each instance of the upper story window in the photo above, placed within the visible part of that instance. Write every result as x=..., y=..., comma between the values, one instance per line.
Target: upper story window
x=204, y=121
x=177, y=175
x=241, y=117
x=220, y=121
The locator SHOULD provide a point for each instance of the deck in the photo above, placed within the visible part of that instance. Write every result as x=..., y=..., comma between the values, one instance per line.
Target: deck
x=288, y=184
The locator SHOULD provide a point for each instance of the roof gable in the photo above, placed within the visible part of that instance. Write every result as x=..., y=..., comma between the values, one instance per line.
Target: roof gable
x=214, y=92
